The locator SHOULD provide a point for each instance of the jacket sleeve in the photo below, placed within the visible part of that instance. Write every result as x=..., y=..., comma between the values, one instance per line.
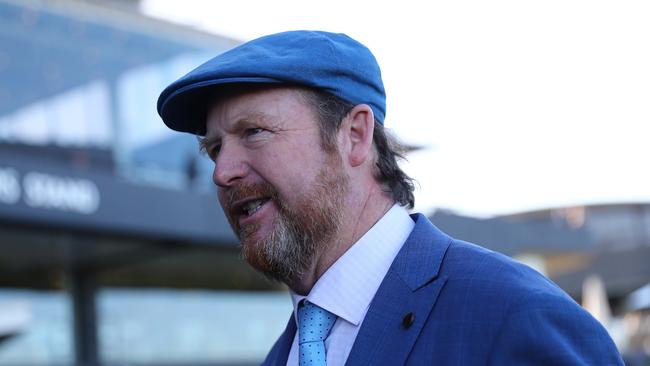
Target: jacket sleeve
x=552, y=330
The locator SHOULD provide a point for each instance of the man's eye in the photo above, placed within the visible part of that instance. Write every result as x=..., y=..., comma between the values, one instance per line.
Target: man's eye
x=214, y=151
x=253, y=131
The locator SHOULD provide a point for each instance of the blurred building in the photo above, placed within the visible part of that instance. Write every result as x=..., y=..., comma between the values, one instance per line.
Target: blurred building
x=112, y=243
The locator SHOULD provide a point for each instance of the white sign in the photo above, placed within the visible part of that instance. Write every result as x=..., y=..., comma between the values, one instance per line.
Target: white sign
x=40, y=190
x=9, y=186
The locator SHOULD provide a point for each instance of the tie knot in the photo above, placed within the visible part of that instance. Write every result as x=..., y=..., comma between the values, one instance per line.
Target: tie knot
x=315, y=322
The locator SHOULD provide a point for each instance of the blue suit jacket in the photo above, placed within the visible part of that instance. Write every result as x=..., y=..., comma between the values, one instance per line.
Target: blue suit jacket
x=470, y=306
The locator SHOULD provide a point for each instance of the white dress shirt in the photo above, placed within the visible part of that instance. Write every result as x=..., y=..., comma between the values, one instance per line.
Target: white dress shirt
x=349, y=285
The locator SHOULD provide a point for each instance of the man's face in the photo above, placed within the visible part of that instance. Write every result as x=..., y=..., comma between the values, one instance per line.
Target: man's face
x=281, y=192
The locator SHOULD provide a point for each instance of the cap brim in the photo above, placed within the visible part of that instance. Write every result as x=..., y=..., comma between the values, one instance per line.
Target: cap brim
x=184, y=108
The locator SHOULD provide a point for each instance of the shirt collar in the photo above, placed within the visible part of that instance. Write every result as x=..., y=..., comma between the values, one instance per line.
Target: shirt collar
x=349, y=285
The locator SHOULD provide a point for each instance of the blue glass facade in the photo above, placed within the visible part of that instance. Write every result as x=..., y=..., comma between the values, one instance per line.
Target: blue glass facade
x=84, y=77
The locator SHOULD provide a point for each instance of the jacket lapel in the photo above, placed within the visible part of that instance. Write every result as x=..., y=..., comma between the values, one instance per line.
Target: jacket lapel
x=411, y=286
x=280, y=351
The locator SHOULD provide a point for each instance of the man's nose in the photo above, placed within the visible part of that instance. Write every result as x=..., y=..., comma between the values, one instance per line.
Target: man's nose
x=229, y=166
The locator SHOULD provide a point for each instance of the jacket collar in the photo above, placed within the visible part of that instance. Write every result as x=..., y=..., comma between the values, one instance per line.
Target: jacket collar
x=404, y=300
x=421, y=256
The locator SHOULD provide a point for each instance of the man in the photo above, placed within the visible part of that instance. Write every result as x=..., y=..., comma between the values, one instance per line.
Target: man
x=308, y=179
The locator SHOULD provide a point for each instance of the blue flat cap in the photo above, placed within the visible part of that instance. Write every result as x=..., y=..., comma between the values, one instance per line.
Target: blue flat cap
x=331, y=62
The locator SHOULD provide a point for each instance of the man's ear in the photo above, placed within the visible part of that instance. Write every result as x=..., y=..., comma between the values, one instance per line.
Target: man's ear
x=359, y=125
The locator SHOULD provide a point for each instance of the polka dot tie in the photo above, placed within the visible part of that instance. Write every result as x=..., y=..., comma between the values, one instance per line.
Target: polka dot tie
x=315, y=325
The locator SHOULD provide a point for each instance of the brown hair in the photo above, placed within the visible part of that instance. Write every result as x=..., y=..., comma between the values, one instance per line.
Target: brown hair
x=331, y=110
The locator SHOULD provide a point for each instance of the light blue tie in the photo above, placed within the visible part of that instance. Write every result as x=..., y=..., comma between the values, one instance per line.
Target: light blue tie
x=315, y=325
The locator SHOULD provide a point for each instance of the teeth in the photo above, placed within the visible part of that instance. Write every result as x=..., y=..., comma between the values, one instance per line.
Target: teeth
x=252, y=207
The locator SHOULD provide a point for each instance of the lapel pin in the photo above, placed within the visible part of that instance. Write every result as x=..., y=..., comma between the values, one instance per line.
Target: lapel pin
x=408, y=320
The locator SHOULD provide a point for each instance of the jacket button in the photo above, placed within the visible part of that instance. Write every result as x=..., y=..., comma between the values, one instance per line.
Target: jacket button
x=408, y=320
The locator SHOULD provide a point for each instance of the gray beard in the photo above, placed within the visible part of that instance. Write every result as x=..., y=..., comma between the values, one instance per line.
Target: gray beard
x=299, y=235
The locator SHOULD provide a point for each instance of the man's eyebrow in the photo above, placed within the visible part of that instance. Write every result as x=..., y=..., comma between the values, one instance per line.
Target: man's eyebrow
x=258, y=119
x=252, y=119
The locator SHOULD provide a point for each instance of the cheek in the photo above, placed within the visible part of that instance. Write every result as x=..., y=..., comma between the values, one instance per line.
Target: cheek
x=291, y=168
x=288, y=178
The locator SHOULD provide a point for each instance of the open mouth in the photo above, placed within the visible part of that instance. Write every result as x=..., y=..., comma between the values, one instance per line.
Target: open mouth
x=249, y=208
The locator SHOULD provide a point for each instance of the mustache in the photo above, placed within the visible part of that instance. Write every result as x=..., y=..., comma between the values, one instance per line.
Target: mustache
x=248, y=190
